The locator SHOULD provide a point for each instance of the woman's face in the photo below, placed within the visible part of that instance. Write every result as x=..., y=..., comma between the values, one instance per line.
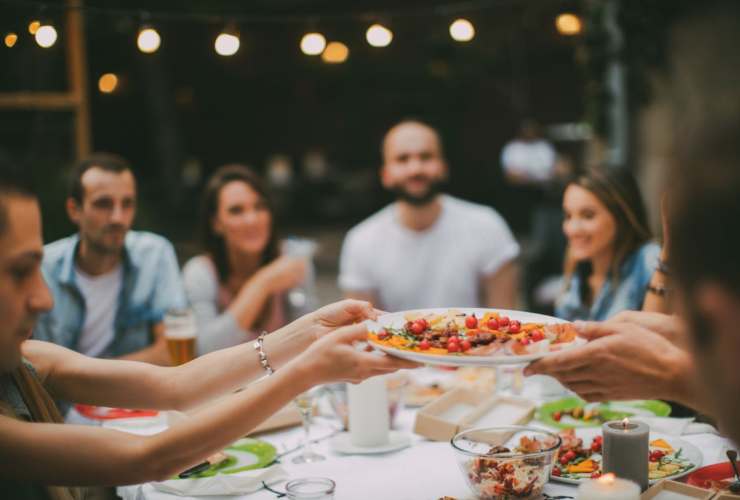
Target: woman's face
x=242, y=218
x=588, y=225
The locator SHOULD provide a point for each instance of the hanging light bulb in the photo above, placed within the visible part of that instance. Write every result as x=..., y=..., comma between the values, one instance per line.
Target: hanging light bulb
x=11, y=39
x=107, y=83
x=462, y=30
x=148, y=40
x=568, y=24
x=313, y=44
x=378, y=35
x=335, y=53
x=34, y=26
x=46, y=36
x=227, y=43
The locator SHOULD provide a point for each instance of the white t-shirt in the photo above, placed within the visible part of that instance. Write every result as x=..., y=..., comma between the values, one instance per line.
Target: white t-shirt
x=439, y=267
x=101, y=304
x=534, y=159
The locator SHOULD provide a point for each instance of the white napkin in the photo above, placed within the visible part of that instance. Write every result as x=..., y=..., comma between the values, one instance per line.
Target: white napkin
x=223, y=484
x=666, y=425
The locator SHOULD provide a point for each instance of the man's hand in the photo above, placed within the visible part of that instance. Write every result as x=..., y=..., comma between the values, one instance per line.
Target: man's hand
x=298, y=336
x=628, y=357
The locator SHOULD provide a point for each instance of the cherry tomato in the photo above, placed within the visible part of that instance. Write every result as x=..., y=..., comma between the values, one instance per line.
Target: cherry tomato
x=453, y=340
x=471, y=321
x=492, y=324
x=557, y=416
x=556, y=471
x=465, y=345
x=525, y=341
x=382, y=334
x=564, y=460
x=599, y=439
x=417, y=328
x=503, y=321
x=423, y=323
x=596, y=446
x=424, y=345
x=596, y=475
x=453, y=347
x=515, y=326
x=538, y=335
x=570, y=455
x=656, y=455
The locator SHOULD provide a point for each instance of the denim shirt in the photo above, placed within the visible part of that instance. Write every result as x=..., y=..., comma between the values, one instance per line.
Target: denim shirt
x=626, y=294
x=151, y=285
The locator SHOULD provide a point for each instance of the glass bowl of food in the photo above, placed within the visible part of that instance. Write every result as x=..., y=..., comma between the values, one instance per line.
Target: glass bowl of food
x=509, y=462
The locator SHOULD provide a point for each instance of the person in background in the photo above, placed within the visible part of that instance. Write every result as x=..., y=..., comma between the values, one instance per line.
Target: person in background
x=529, y=159
x=427, y=249
x=691, y=357
x=237, y=286
x=111, y=285
x=45, y=459
x=610, y=257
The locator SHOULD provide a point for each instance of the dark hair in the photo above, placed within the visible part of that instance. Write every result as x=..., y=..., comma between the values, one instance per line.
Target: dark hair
x=213, y=244
x=106, y=161
x=14, y=181
x=617, y=189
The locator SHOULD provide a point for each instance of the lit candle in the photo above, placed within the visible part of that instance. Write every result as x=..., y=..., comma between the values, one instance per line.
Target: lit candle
x=626, y=449
x=608, y=487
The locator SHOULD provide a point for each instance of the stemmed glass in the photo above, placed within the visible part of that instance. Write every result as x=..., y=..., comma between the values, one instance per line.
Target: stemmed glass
x=305, y=403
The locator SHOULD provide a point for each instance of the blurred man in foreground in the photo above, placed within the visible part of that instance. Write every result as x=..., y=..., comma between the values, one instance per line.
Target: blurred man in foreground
x=647, y=356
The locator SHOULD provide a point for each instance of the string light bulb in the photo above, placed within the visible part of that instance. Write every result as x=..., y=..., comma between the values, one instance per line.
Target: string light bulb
x=313, y=44
x=335, y=53
x=107, y=83
x=378, y=35
x=11, y=39
x=568, y=24
x=227, y=43
x=34, y=26
x=46, y=36
x=148, y=40
x=462, y=30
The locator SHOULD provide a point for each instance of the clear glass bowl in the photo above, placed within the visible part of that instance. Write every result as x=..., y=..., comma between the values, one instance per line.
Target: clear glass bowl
x=518, y=471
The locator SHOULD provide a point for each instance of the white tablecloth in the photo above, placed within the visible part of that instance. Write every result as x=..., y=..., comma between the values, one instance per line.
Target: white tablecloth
x=426, y=470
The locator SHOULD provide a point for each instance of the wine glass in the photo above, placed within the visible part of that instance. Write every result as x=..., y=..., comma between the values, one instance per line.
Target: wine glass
x=305, y=402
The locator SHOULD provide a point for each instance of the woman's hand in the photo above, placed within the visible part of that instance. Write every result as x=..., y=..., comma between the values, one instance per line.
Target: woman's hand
x=334, y=358
x=296, y=337
x=283, y=273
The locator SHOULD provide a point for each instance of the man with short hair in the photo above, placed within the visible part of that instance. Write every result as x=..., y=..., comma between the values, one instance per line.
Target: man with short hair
x=427, y=249
x=111, y=285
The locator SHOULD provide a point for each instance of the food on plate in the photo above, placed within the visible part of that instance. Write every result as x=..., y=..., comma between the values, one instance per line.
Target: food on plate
x=458, y=333
x=590, y=414
x=576, y=461
x=479, y=378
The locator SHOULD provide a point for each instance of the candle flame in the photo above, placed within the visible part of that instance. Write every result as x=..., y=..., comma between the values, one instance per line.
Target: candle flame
x=607, y=478
x=625, y=422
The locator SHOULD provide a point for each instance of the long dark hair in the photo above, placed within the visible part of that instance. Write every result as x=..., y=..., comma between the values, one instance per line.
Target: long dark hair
x=617, y=189
x=213, y=244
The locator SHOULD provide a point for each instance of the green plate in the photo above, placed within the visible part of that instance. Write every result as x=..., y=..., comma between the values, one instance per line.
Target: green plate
x=615, y=410
x=263, y=452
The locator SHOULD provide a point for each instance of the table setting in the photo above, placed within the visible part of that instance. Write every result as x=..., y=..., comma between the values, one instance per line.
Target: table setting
x=479, y=432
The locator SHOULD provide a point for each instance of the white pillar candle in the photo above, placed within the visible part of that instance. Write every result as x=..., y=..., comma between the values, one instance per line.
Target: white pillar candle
x=625, y=450
x=369, y=422
x=608, y=487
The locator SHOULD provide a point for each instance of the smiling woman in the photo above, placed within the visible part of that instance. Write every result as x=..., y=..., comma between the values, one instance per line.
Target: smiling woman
x=610, y=258
x=236, y=287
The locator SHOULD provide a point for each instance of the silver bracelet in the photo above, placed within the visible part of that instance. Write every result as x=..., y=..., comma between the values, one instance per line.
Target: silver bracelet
x=258, y=346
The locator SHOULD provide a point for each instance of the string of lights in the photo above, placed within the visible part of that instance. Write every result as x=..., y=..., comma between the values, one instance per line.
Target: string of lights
x=227, y=43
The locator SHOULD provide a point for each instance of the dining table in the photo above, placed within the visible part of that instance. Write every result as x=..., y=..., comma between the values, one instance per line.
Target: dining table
x=424, y=470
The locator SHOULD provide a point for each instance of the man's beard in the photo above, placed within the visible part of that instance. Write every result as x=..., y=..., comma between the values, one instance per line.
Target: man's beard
x=98, y=246
x=418, y=200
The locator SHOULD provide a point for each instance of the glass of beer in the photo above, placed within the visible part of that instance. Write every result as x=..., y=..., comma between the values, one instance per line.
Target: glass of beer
x=179, y=331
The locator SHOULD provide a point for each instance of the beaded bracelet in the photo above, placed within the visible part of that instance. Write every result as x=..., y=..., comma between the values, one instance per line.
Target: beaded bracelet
x=258, y=346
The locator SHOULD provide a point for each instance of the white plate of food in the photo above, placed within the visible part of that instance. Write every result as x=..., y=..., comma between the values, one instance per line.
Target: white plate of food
x=579, y=457
x=471, y=336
